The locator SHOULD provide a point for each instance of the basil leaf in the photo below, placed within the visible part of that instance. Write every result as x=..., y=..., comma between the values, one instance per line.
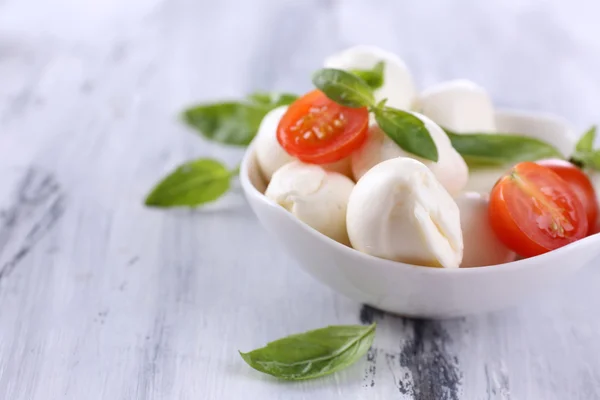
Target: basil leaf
x=229, y=123
x=586, y=143
x=191, y=184
x=272, y=100
x=314, y=353
x=593, y=161
x=407, y=131
x=343, y=88
x=584, y=155
x=484, y=150
x=586, y=159
x=234, y=123
x=373, y=77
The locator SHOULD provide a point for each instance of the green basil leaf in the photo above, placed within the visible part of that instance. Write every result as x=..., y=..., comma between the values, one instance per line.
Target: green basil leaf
x=585, y=156
x=234, y=123
x=314, y=353
x=229, y=123
x=580, y=159
x=373, y=77
x=407, y=131
x=592, y=160
x=344, y=88
x=272, y=100
x=586, y=143
x=485, y=150
x=595, y=160
x=191, y=184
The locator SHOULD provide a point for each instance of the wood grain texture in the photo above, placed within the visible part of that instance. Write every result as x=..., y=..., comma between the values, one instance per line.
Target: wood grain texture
x=101, y=298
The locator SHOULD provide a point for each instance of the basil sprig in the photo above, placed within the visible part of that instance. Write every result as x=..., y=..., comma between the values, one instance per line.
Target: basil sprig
x=344, y=88
x=234, y=122
x=585, y=156
x=373, y=77
x=496, y=149
x=406, y=130
x=192, y=184
x=314, y=353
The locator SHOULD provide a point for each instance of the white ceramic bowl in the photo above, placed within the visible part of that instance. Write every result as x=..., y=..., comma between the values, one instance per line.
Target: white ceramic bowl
x=421, y=291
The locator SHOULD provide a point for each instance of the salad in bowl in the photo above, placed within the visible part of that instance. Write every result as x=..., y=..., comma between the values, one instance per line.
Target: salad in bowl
x=425, y=203
x=373, y=165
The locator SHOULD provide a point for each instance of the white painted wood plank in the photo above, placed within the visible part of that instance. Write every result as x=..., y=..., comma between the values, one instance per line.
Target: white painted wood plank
x=114, y=301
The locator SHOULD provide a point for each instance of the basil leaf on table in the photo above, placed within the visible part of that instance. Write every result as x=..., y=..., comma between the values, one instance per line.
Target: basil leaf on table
x=407, y=131
x=314, y=353
x=192, y=184
x=486, y=150
x=232, y=122
x=344, y=88
x=373, y=77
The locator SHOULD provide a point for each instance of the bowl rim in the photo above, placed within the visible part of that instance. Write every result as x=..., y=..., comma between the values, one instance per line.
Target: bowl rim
x=251, y=190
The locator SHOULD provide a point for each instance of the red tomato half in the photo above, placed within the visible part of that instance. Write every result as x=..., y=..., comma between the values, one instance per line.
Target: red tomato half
x=581, y=185
x=317, y=130
x=533, y=210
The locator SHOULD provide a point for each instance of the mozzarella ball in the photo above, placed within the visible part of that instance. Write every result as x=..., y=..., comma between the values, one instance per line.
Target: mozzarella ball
x=482, y=247
x=342, y=167
x=271, y=156
x=269, y=153
x=397, y=88
x=315, y=196
x=482, y=180
x=460, y=105
x=450, y=169
x=400, y=211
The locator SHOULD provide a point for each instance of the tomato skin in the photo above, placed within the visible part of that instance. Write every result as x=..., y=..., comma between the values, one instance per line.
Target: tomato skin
x=317, y=130
x=581, y=185
x=533, y=210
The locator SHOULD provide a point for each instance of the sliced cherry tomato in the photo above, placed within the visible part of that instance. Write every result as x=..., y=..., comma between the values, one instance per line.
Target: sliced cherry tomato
x=581, y=185
x=317, y=130
x=533, y=210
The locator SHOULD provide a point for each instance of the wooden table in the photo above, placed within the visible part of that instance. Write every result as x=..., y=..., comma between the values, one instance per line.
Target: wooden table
x=101, y=298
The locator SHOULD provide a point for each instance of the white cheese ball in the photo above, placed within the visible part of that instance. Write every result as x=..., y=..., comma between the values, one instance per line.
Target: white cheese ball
x=269, y=153
x=459, y=105
x=398, y=86
x=313, y=195
x=271, y=156
x=482, y=247
x=450, y=169
x=482, y=180
x=399, y=211
x=342, y=167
